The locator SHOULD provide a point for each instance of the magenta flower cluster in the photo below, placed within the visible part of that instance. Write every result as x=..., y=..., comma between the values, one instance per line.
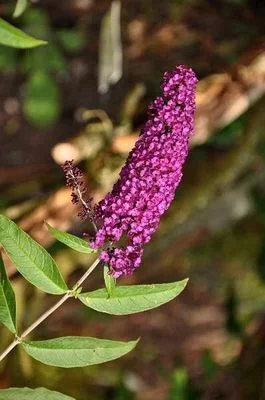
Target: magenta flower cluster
x=130, y=213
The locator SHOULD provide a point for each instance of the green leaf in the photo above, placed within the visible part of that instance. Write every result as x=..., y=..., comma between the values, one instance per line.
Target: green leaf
x=110, y=281
x=7, y=300
x=20, y=8
x=48, y=58
x=70, y=240
x=132, y=299
x=41, y=104
x=32, y=394
x=31, y=259
x=72, y=41
x=71, y=351
x=14, y=37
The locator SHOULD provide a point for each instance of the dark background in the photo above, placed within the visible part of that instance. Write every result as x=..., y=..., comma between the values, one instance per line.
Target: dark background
x=209, y=342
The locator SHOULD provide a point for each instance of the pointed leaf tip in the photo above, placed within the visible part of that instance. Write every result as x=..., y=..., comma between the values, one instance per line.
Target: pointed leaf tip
x=21, y=6
x=14, y=37
x=70, y=240
x=132, y=299
x=71, y=351
x=30, y=258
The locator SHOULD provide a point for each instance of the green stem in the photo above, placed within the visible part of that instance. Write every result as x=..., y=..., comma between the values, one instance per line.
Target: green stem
x=43, y=317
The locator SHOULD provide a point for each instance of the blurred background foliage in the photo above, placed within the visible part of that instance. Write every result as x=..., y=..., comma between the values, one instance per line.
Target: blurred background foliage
x=84, y=97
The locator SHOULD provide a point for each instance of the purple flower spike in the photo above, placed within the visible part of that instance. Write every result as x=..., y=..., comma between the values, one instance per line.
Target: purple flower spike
x=130, y=213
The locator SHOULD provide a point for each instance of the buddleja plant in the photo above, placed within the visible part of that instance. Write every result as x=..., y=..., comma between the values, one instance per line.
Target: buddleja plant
x=123, y=223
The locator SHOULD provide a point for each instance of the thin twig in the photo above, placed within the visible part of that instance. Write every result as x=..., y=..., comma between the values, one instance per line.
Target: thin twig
x=46, y=314
x=50, y=311
x=8, y=349
x=86, y=274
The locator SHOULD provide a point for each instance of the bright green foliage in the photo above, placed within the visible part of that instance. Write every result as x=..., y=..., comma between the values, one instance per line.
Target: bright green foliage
x=14, y=37
x=70, y=240
x=132, y=299
x=7, y=300
x=20, y=7
x=110, y=281
x=32, y=394
x=41, y=104
x=70, y=352
x=31, y=259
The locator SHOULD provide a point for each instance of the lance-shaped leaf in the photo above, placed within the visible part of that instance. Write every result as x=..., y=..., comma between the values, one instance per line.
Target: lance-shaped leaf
x=71, y=351
x=7, y=300
x=132, y=299
x=30, y=259
x=14, y=37
x=20, y=8
x=70, y=240
x=110, y=281
x=32, y=394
